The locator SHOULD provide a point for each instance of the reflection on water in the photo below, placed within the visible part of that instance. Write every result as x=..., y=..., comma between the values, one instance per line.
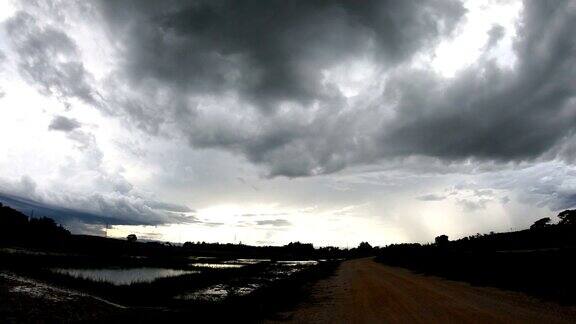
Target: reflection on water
x=264, y=276
x=247, y=261
x=217, y=265
x=298, y=262
x=212, y=293
x=123, y=276
x=201, y=258
x=282, y=273
x=246, y=290
x=219, y=292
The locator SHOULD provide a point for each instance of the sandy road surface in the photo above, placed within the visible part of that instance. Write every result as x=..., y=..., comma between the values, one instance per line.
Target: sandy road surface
x=363, y=291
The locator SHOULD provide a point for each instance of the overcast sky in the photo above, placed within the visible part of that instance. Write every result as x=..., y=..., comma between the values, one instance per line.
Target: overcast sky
x=331, y=122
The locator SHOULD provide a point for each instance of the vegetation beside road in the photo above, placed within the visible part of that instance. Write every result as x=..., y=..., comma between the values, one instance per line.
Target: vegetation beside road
x=538, y=261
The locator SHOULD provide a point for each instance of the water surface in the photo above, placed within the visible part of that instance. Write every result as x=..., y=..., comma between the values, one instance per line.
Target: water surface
x=298, y=262
x=217, y=265
x=123, y=276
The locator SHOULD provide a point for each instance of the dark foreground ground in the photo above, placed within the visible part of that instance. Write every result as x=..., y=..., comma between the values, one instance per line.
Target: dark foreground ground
x=31, y=294
x=363, y=291
x=359, y=291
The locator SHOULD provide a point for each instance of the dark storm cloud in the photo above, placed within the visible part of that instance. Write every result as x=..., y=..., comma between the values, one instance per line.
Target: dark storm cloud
x=64, y=124
x=60, y=214
x=270, y=51
x=266, y=55
x=249, y=77
x=274, y=52
x=121, y=205
x=135, y=210
x=492, y=114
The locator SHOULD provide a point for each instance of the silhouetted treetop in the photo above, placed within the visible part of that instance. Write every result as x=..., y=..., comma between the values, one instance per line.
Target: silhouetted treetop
x=441, y=240
x=541, y=223
x=364, y=246
x=567, y=217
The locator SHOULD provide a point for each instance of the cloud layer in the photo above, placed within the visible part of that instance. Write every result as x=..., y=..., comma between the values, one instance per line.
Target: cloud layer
x=258, y=79
x=298, y=89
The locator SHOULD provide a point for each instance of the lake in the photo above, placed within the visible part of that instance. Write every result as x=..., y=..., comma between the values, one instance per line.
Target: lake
x=119, y=276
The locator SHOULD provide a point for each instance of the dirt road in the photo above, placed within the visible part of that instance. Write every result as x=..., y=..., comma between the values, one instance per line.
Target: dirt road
x=363, y=291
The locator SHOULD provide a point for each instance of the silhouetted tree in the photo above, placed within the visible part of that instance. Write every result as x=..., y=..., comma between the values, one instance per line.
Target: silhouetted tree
x=299, y=246
x=364, y=246
x=441, y=240
x=541, y=223
x=567, y=217
x=131, y=238
x=187, y=245
x=17, y=227
x=12, y=220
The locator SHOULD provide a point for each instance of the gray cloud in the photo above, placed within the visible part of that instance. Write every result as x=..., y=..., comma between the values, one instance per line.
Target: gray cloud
x=495, y=35
x=205, y=71
x=64, y=124
x=216, y=50
x=48, y=58
x=95, y=209
x=211, y=224
x=564, y=200
x=83, y=217
x=483, y=193
x=431, y=197
x=213, y=46
x=209, y=105
x=470, y=205
x=264, y=215
x=547, y=184
x=492, y=114
x=274, y=222
x=175, y=208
